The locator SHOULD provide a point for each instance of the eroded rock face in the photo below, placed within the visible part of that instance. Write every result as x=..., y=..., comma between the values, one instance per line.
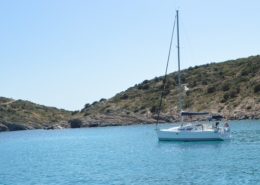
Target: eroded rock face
x=7, y=126
x=75, y=123
x=3, y=128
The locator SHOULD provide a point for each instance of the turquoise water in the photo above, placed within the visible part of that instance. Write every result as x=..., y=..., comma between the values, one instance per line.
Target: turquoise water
x=128, y=155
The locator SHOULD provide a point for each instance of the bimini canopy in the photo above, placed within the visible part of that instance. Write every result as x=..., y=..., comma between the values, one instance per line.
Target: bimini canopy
x=184, y=113
x=217, y=117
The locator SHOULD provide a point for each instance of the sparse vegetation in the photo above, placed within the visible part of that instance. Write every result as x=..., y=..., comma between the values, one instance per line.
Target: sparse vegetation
x=217, y=87
x=210, y=85
x=28, y=113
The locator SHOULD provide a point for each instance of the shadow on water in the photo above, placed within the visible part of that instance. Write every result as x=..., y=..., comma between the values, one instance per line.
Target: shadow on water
x=193, y=144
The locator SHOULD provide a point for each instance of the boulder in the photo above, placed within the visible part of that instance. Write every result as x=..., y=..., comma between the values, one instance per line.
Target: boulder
x=53, y=127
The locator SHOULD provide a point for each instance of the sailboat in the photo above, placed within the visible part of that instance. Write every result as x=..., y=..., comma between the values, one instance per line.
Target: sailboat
x=190, y=131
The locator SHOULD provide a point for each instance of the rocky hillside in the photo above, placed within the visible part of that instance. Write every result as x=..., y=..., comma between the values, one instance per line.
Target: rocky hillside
x=230, y=88
x=21, y=115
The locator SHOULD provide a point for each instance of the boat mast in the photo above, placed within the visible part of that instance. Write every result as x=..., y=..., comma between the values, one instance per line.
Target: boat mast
x=179, y=74
x=164, y=80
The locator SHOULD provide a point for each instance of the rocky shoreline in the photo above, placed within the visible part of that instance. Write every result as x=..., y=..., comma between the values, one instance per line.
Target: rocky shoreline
x=104, y=120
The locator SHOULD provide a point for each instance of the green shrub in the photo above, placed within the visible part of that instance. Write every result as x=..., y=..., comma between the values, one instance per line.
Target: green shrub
x=74, y=112
x=225, y=86
x=242, y=79
x=186, y=104
x=142, y=107
x=183, y=79
x=139, y=87
x=125, y=96
x=166, y=92
x=153, y=109
x=168, y=85
x=87, y=114
x=246, y=71
x=233, y=93
x=190, y=68
x=146, y=86
x=226, y=96
x=223, y=101
x=87, y=105
x=4, y=100
x=156, y=79
x=94, y=103
x=126, y=106
x=257, y=88
x=145, y=81
x=204, y=82
x=211, y=89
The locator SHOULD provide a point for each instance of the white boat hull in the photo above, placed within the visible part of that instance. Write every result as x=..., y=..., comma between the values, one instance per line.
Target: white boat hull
x=179, y=135
x=189, y=132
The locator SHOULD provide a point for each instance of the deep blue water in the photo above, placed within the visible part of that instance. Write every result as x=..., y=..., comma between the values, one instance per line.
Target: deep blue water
x=128, y=155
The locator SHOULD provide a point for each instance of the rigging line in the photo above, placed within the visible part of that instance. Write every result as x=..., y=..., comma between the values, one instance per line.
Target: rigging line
x=190, y=48
x=164, y=80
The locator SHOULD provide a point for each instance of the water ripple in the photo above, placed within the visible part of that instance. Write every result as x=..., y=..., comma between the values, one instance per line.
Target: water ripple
x=128, y=155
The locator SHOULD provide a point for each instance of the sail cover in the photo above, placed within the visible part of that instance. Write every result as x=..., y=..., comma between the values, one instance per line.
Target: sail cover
x=184, y=113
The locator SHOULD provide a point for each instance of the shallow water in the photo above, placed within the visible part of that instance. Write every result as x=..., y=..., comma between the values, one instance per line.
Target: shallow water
x=128, y=155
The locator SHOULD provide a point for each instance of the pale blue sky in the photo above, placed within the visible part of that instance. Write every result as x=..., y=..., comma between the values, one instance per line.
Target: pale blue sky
x=65, y=53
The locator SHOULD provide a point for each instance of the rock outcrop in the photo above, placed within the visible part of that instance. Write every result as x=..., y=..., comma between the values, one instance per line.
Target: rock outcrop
x=115, y=119
x=7, y=126
x=3, y=128
x=244, y=116
x=75, y=123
